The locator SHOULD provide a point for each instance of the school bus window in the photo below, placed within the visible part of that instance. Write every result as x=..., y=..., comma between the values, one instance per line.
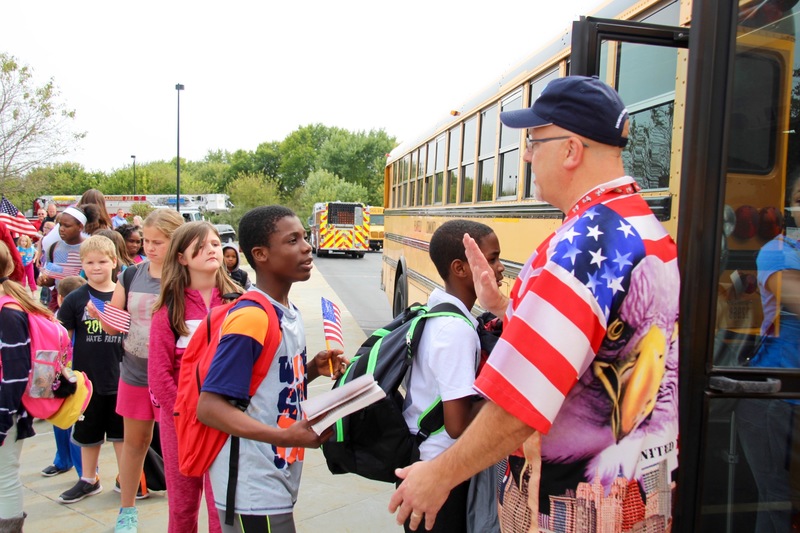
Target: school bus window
x=453, y=162
x=754, y=116
x=508, y=173
x=669, y=15
x=427, y=174
x=646, y=83
x=645, y=73
x=537, y=86
x=467, y=182
x=486, y=155
x=413, y=176
x=423, y=156
x=439, y=165
x=429, y=183
x=406, y=170
x=647, y=155
x=467, y=160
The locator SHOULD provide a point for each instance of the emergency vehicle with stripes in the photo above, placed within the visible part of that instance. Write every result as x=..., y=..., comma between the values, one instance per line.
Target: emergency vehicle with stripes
x=340, y=227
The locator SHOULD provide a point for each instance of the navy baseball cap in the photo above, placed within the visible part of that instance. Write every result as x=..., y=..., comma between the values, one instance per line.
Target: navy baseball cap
x=580, y=104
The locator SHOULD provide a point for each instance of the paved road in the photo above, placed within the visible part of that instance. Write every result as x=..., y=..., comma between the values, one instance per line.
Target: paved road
x=357, y=282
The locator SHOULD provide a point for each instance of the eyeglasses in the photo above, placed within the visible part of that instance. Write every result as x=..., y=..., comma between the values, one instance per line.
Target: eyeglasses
x=530, y=142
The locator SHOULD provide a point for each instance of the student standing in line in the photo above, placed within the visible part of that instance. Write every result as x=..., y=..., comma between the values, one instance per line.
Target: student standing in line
x=238, y=275
x=133, y=241
x=272, y=431
x=134, y=402
x=98, y=355
x=448, y=356
x=68, y=454
x=193, y=282
x=15, y=358
x=28, y=253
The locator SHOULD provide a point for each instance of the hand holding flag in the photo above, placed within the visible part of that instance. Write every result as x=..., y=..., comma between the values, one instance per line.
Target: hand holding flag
x=332, y=325
x=118, y=319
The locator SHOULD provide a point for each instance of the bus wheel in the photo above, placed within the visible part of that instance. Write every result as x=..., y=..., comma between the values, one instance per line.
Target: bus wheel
x=400, y=295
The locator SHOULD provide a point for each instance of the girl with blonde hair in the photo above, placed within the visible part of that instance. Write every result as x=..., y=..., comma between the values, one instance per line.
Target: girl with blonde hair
x=138, y=288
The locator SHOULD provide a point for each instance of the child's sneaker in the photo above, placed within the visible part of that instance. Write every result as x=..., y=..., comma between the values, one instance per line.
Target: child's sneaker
x=127, y=521
x=81, y=490
x=141, y=493
x=53, y=470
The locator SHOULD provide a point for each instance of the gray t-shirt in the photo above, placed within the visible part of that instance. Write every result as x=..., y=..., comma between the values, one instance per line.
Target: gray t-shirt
x=142, y=295
x=269, y=476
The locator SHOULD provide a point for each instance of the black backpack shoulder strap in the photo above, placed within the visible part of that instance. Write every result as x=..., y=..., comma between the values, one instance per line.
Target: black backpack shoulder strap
x=127, y=279
x=432, y=419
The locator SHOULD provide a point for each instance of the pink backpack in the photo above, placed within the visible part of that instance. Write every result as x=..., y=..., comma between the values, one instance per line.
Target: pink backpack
x=51, y=353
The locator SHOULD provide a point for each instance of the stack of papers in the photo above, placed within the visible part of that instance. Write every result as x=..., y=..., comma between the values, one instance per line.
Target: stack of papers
x=342, y=401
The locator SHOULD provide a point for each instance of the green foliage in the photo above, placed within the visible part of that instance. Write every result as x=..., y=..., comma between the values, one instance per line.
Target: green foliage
x=358, y=158
x=141, y=209
x=323, y=186
x=312, y=164
x=248, y=190
x=35, y=126
x=299, y=152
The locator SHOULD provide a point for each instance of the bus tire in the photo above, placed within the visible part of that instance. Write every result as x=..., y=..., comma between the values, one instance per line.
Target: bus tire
x=400, y=300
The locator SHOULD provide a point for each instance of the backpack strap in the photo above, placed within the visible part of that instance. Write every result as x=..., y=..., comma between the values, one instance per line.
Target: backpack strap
x=127, y=280
x=431, y=420
x=260, y=368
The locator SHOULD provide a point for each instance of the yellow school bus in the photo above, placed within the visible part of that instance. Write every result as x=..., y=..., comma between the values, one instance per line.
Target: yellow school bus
x=714, y=99
x=375, y=227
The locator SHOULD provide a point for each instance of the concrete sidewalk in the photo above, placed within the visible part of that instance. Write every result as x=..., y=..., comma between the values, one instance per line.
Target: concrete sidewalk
x=334, y=504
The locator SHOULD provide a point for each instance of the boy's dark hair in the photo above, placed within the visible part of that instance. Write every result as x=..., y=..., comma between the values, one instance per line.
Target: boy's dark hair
x=447, y=242
x=69, y=284
x=256, y=227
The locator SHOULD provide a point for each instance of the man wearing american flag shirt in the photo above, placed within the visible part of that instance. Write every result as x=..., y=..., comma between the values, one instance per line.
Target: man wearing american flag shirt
x=583, y=382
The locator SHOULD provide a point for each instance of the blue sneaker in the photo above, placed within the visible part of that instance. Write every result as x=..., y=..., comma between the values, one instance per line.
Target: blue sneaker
x=127, y=521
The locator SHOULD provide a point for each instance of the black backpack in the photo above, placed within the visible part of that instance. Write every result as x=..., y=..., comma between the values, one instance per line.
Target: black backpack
x=374, y=441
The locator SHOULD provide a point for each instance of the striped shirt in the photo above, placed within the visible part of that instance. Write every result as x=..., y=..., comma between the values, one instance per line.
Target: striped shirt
x=583, y=312
x=15, y=354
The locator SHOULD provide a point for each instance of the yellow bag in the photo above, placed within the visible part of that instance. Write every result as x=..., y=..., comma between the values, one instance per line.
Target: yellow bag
x=74, y=405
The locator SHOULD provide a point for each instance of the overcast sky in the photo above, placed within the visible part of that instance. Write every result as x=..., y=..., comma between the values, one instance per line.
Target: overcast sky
x=254, y=71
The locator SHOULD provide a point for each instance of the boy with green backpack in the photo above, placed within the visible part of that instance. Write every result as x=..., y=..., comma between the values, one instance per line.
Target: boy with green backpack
x=447, y=358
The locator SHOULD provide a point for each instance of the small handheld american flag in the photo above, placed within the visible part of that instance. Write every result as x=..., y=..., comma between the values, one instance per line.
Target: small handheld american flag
x=332, y=322
x=118, y=319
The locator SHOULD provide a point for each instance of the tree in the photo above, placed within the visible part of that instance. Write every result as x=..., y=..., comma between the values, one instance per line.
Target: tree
x=247, y=191
x=299, y=152
x=35, y=126
x=358, y=158
x=323, y=186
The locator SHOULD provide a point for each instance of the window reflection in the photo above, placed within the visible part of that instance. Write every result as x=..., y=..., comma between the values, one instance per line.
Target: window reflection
x=756, y=484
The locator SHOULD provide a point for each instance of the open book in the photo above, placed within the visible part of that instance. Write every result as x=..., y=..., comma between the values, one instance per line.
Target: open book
x=342, y=401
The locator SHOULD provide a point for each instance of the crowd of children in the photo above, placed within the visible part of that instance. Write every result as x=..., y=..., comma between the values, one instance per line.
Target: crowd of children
x=167, y=275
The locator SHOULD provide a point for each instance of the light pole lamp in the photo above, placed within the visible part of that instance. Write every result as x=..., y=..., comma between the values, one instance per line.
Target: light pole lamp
x=134, y=174
x=179, y=88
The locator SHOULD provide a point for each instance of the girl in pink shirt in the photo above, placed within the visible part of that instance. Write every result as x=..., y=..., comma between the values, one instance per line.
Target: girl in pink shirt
x=193, y=281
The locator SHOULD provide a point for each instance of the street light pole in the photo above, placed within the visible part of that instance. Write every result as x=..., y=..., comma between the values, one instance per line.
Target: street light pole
x=179, y=88
x=134, y=174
